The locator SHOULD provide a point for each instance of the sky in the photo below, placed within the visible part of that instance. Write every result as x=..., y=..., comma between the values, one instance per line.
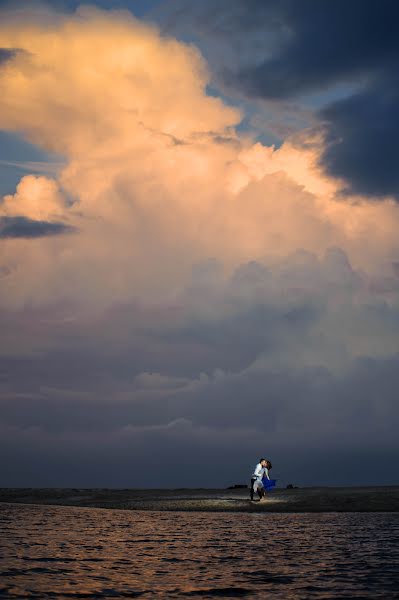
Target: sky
x=199, y=251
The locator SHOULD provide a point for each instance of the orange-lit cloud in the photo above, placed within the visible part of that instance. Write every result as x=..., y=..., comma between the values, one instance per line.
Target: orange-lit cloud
x=156, y=178
x=37, y=198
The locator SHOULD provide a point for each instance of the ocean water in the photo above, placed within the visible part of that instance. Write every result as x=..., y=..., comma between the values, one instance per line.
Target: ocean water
x=65, y=552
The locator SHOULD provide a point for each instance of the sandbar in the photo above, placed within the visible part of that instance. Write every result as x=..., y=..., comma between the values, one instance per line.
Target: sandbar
x=298, y=500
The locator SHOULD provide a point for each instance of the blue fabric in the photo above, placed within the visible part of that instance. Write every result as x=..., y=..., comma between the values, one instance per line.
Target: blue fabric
x=268, y=484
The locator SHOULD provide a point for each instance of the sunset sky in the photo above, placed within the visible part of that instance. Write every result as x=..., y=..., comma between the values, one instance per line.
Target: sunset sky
x=199, y=249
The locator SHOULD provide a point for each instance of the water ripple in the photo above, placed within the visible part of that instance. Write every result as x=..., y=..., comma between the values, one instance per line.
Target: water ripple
x=64, y=552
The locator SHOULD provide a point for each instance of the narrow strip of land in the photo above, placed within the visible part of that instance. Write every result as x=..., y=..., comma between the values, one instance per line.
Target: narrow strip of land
x=323, y=499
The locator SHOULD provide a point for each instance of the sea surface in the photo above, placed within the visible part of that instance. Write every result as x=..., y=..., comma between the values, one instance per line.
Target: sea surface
x=67, y=552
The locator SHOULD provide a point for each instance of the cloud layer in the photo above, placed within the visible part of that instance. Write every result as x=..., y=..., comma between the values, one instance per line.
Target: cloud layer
x=218, y=297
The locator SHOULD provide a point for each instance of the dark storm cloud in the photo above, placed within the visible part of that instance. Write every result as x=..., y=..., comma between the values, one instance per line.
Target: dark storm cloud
x=327, y=42
x=22, y=227
x=362, y=137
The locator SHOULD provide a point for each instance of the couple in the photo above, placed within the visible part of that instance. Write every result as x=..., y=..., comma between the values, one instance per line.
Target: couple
x=261, y=471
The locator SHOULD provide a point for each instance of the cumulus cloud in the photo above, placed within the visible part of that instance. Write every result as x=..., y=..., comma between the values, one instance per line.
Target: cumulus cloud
x=36, y=198
x=156, y=177
x=211, y=279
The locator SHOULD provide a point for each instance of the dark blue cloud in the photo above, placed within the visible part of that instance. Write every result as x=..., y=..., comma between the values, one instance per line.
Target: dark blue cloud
x=7, y=54
x=361, y=139
x=291, y=412
x=22, y=227
x=326, y=43
x=138, y=7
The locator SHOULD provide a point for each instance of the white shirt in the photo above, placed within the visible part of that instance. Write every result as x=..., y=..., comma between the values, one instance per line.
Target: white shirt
x=261, y=471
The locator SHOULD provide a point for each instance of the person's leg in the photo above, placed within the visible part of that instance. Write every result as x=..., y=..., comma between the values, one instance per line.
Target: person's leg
x=252, y=487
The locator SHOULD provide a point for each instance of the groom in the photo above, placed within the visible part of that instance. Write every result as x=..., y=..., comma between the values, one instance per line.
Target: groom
x=256, y=479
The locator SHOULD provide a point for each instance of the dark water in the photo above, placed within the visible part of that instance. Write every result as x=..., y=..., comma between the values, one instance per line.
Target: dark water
x=60, y=552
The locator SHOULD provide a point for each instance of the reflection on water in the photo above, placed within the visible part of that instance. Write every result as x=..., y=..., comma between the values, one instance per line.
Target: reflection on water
x=87, y=553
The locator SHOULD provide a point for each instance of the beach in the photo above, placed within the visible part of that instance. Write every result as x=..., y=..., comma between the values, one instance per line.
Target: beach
x=297, y=500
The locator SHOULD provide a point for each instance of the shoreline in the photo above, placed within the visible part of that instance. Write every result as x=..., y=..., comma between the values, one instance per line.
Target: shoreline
x=297, y=500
